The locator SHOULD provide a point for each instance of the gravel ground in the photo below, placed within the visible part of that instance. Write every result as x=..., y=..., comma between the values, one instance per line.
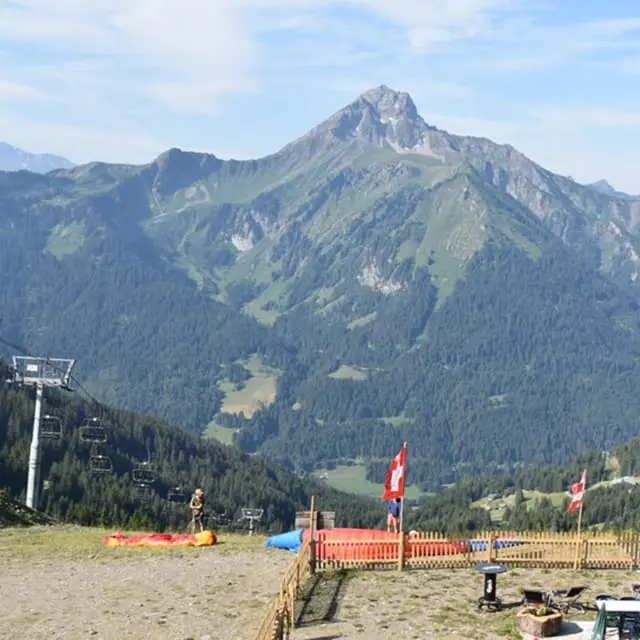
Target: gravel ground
x=193, y=594
x=62, y=583
x=434, y=604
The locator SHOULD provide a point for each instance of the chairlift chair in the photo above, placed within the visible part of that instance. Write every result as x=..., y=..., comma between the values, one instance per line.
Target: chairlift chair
x=144, y=474
x=221, y=518
x=99, y=463
x=93, y=430
x=176, y=496
x=51, y=427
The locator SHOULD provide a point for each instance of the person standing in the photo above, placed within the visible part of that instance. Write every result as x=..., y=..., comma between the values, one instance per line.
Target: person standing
x=197, y=511
x=393, y=516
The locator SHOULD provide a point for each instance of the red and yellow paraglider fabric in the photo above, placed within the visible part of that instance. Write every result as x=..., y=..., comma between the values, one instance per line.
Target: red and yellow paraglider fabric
x=118, y=539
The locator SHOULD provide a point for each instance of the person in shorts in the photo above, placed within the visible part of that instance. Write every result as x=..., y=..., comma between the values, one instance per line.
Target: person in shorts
x=197, y=511
x=393, y=516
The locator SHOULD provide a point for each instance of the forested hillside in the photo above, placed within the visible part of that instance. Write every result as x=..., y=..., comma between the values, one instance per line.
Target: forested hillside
x=526, y=354
x=375, y=281
x=537, y=497
x=231, y=479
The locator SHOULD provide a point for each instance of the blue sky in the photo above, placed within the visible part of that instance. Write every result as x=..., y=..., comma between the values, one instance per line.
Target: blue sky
x=123, y=80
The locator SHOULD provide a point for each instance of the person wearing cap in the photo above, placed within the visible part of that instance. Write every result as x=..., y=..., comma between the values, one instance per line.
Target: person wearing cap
x=197, y=510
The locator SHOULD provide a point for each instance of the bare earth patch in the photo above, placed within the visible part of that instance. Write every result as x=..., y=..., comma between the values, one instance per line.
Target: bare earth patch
x=433, y=604
x=76, y=591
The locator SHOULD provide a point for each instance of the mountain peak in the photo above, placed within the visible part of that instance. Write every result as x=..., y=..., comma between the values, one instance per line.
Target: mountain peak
x=381, y=116
x=390, y=103
x=603, y=186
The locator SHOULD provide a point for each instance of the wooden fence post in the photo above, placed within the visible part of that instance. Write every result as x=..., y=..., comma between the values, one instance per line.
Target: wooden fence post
x=401, y=543
x=585, y=554
x=312, y=537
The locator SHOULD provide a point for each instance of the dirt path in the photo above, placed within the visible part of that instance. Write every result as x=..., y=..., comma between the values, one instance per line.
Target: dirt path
x=196, y=595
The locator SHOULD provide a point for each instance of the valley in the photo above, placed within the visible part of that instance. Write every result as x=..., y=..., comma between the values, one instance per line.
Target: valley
x=319, y=320
x=352, y=479
x=376, y=280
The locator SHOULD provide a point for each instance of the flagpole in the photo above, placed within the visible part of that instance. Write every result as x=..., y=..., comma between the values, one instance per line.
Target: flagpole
x=582, y=492
x=575, y=564
x=401, y=524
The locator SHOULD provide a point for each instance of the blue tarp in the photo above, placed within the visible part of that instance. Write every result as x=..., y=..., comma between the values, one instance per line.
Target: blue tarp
x=481, y=545
x=291, y=541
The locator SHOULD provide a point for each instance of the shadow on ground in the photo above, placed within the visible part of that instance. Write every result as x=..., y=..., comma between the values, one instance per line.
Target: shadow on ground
x=321, y=599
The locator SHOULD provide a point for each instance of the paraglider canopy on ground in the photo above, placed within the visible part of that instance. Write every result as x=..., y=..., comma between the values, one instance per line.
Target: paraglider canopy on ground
x=202, y=539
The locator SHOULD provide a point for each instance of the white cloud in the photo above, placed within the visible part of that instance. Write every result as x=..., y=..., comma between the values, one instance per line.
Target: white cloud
x=184, y=54
x=525, y=44
x=429, y=23
x=189, y=54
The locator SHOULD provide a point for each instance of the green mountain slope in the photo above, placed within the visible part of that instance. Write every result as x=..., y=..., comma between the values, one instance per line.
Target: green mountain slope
x=537, y=497
x=375, y=280
x=230, y=479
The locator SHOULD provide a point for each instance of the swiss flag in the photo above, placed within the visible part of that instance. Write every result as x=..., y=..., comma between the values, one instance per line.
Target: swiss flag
x=394, y=484
x=578, y=489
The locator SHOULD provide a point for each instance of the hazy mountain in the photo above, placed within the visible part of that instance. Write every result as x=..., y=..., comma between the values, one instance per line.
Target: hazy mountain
x=605, y=187
x=14, y=159
x=399, y=281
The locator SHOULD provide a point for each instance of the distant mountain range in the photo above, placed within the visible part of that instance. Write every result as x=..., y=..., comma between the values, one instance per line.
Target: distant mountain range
x=374, y=281
x=604, y=187
x=14, y=159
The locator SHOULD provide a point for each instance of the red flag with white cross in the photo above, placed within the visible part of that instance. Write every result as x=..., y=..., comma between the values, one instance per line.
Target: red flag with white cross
x=396, y=477
x=578, y=489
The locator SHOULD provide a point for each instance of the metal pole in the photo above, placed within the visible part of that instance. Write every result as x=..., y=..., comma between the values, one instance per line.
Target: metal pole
x=34, y=454
x=401, y=539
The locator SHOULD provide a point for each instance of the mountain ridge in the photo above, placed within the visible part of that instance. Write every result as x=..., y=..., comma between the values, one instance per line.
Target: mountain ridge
x=16, y=159
x=339, y=296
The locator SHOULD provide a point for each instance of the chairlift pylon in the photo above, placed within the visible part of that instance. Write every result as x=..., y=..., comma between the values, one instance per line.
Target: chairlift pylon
x=51, y=427
x=93, y=430
x=252, y=516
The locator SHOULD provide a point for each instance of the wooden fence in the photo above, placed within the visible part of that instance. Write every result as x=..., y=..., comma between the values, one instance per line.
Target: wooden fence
x=591, y=550
x=515, y=549
x=280, y=616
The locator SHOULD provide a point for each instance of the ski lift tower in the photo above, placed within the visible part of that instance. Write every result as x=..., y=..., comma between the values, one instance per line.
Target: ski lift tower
x=253, y=516
x=39, y=373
